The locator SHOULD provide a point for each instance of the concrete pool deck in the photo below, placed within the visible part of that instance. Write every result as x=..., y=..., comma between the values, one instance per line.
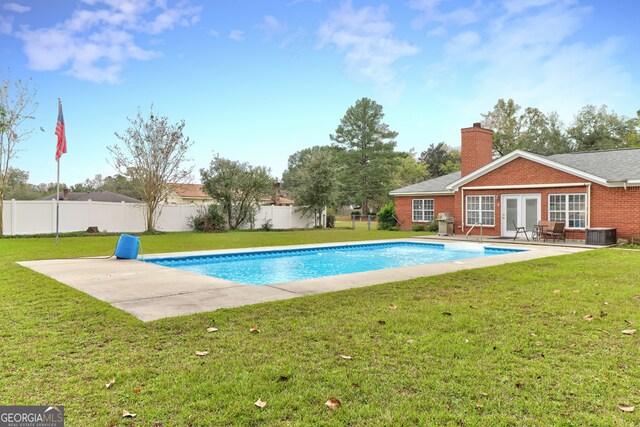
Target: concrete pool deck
x=151, y=292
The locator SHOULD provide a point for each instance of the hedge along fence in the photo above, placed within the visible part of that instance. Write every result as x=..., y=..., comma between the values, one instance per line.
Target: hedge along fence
x=39, y=217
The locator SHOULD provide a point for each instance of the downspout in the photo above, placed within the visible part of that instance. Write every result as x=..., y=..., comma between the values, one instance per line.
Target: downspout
x=462, y=208
x=588, y=204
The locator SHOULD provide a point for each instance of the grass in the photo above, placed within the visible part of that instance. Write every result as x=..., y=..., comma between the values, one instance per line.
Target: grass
x=497, y=346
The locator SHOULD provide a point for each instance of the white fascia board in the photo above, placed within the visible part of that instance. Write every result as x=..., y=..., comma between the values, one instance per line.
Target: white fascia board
x=624, y=183
x=426, y=193
x=529, y=156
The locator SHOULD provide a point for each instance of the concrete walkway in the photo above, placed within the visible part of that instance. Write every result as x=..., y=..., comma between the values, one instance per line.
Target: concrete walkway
x=151, y=292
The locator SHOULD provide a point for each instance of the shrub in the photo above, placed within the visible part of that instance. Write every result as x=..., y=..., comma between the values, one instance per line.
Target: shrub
x=266, y=226
x=433, y=226
x=331, y=221
x=208, y=219
x=418, y=227
x=387, y=217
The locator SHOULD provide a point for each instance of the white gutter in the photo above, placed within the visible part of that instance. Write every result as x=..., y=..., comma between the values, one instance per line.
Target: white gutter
x=426, y=193
x=527, y=186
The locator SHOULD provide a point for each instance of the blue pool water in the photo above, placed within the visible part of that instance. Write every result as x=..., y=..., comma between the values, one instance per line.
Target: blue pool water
x=268, y=267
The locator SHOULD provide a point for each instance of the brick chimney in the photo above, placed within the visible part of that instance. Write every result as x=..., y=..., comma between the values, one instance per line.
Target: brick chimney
x=476, y=148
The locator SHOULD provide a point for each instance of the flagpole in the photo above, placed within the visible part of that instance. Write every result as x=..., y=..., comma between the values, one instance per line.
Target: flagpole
x=58, y=202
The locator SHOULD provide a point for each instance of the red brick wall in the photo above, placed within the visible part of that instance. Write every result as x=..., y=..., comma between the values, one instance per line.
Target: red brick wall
x=476, y=147
x=403, y=206
x=523, y=171
x=616, y=207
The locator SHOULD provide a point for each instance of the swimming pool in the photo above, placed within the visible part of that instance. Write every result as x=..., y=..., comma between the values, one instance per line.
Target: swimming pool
x=277, y=266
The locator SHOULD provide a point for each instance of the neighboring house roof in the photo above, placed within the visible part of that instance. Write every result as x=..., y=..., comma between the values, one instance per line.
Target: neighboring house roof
x=431, y=186
x=191, y=191
x=611, y=168
x=96, y=196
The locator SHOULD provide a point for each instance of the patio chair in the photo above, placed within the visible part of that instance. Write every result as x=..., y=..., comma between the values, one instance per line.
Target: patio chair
x=520, y=230
x=556, y=232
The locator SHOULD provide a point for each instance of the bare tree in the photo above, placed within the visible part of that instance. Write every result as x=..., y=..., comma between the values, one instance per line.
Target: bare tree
x=152, y=155
x=17, y=106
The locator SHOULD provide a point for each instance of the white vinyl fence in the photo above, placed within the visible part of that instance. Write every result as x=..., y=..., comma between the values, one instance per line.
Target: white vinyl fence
x=39, y=217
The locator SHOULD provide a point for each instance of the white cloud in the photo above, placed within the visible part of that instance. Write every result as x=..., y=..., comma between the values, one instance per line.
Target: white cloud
x=6, y=25
x=365, y=36
x=528, y=53
x=430, y=12
x=213, y=33
x=271, y=27
x=15, y=7
x=236, y=35
x=95, y=44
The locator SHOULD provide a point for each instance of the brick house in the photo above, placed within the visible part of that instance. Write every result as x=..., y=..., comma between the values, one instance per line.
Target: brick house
x=597, y=189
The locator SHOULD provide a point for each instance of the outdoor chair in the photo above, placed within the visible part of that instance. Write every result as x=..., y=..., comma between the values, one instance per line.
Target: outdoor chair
x=555, y=231
x=520, y=230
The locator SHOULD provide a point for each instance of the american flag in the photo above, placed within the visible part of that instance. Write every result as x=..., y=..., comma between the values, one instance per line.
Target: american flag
x=61, y=148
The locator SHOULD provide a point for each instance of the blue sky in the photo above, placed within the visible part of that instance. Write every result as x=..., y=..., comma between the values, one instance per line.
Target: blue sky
x=258, y=80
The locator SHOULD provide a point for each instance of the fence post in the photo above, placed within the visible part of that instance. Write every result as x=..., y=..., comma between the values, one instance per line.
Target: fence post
x=13, y=216
x=122, y=215
x=89, y=214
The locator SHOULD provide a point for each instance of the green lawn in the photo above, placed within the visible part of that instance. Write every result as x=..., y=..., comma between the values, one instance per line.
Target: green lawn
x=504, y=345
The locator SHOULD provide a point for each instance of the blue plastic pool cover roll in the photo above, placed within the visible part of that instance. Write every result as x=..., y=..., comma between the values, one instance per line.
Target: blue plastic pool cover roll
x=127, y=247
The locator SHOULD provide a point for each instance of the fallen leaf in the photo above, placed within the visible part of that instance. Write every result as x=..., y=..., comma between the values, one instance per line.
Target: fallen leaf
x=629, y=331
x=127, y=414
x=557, y=291
x=201, y=353
x=110, y=383
x=484, y=394
x=333, y=403
x=603, y=313
x=636, y=297
x=260, y=403
x=393, y=306
x=518, y=385
x=626, y=408
x=446, y=313
x=283, y=378
x=473, y=306
x=533, y=334
x=628, y=322
x=466, y=341
x=382, y=322
x=254, y=328
x=137, y=390
x=479, y=406
x=605, y=303
x=212, y=329
x=588, y=317
x=344, y=356
x=356, y=385
x=410, y=341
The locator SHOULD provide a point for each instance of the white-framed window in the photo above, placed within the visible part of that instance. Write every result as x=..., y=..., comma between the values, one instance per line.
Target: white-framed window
x=568, y=208
x=422, y=210
x=481, y=209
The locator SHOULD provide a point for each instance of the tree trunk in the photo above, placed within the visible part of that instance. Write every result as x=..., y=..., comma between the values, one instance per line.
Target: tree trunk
x=150, y=212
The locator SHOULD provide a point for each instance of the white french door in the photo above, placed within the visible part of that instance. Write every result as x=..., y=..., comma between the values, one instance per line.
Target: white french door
x=519, y=210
